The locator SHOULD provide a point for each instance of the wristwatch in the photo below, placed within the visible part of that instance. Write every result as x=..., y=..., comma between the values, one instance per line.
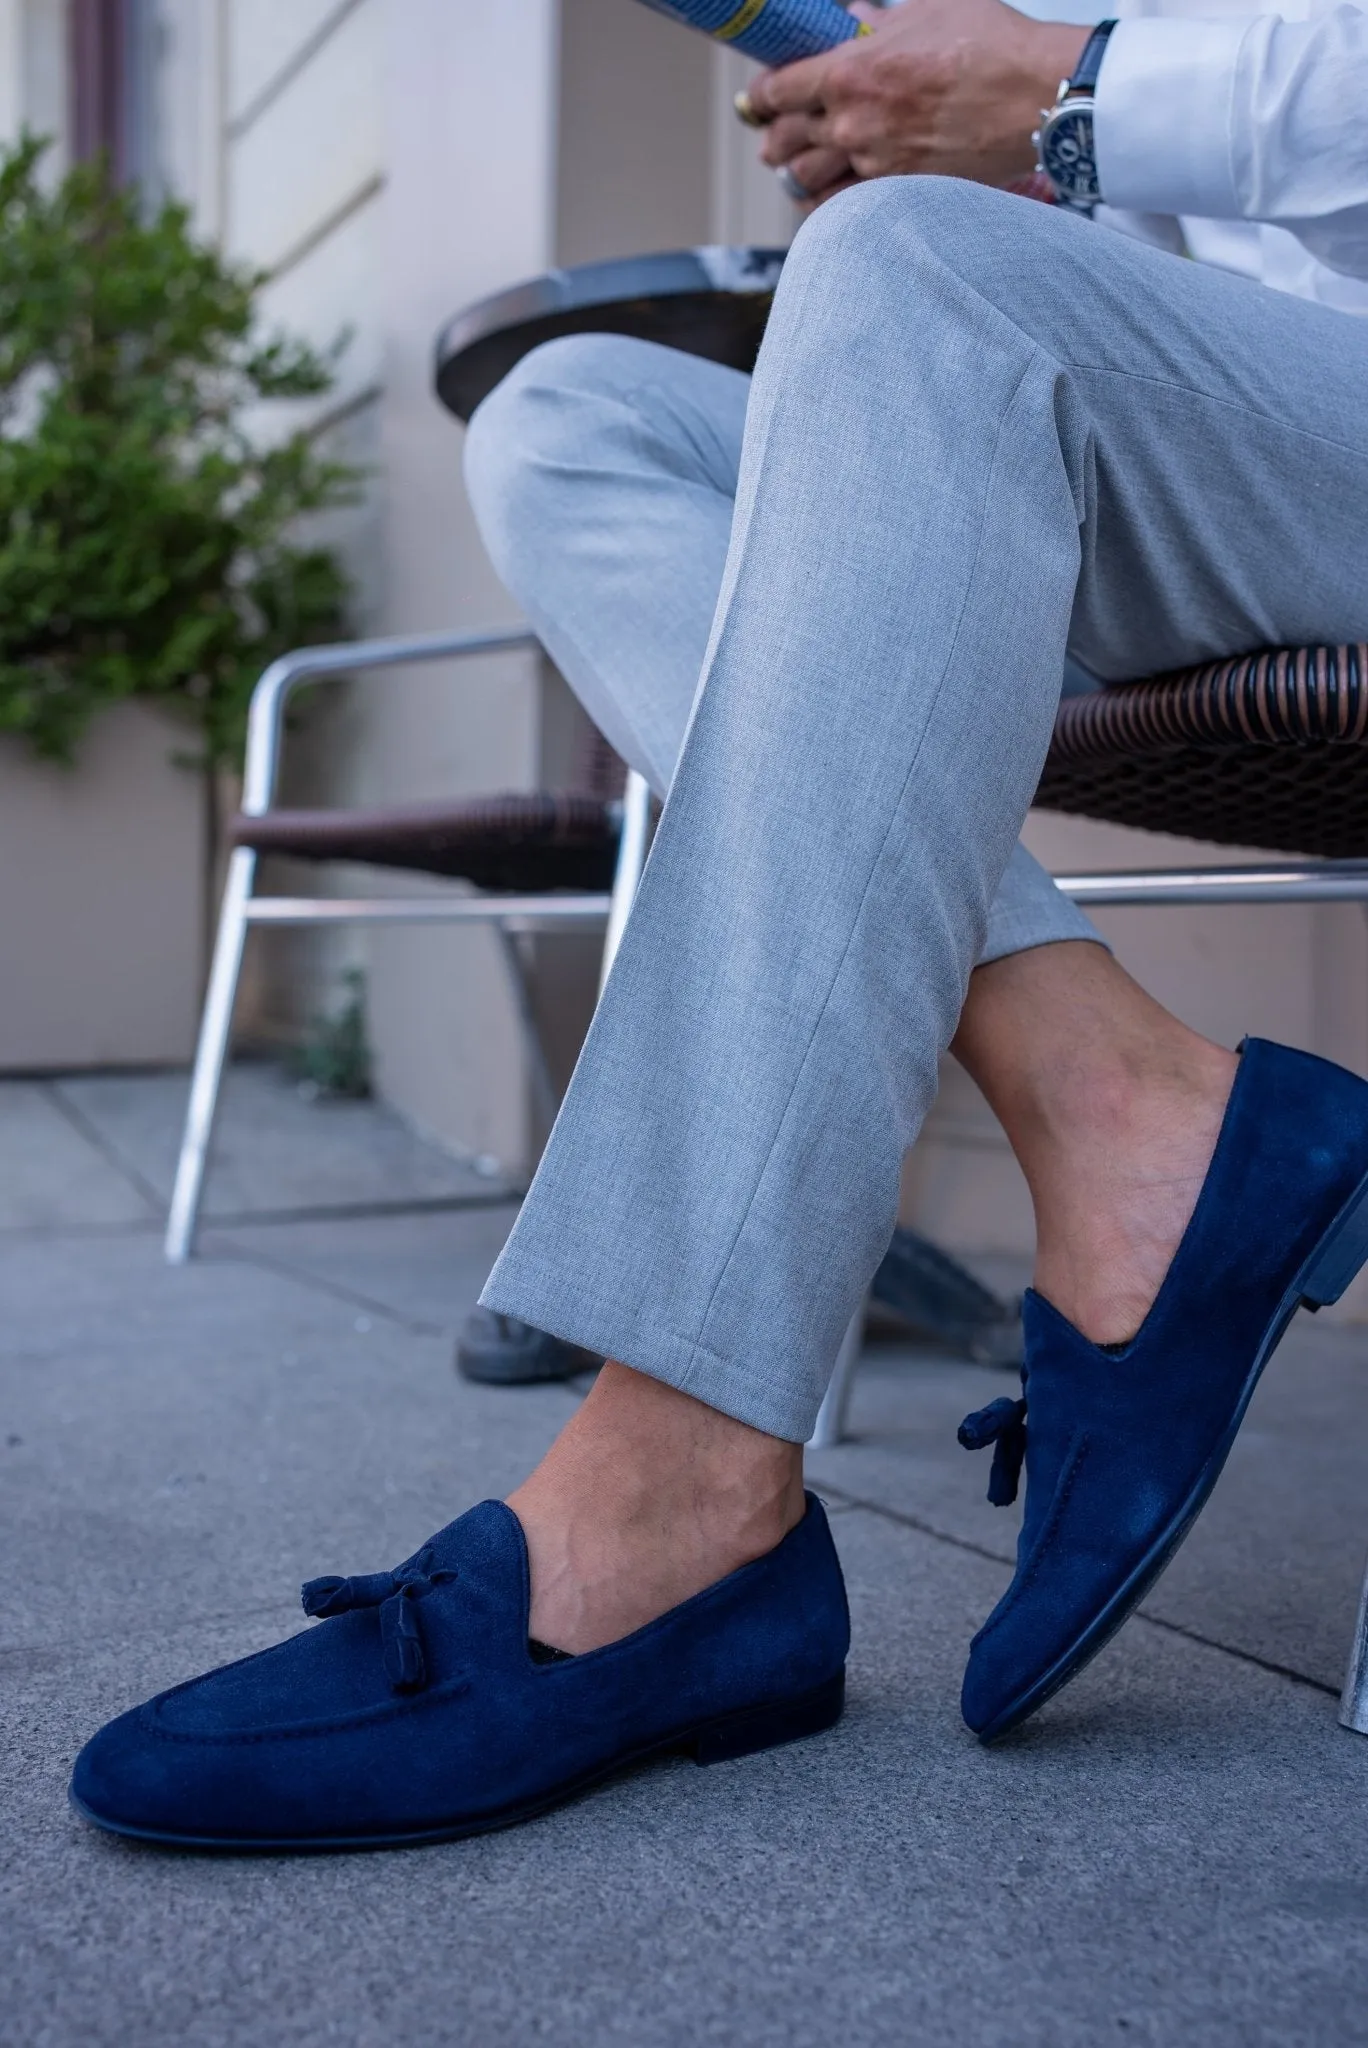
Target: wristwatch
x=1064, y=139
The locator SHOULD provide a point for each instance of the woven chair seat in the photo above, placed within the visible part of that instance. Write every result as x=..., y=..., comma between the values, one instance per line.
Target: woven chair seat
x=1266, y=750
x=522, y=844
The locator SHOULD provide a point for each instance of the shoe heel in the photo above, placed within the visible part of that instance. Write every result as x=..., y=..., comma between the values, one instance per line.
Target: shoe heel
x=1340, y=1253
x=766, y=1727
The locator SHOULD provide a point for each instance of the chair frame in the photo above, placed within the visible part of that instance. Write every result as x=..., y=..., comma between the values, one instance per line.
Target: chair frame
x=514, y=916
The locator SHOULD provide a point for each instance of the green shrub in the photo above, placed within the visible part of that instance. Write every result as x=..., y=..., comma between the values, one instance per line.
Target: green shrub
x=334, y=1061
x=148, y=536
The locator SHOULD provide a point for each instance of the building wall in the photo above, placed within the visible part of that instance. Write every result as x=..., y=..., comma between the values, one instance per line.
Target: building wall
x=385, y=162
x=316, y=143
x=33, y=69
x=468, y=209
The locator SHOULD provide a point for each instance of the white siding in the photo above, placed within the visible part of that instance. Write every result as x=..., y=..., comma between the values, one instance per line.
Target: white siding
x=268, y=38
x=32, y=68
x=470, y=127
x=331, y=292
x=314, y=151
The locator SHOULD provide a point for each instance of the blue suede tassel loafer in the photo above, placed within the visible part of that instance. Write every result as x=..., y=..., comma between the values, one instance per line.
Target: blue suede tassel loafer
x=1122, y=1445
x=417, y=1711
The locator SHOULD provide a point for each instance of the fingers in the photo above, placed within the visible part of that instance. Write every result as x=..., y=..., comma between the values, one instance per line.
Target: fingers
x=795, y=147
x=793, y=89
x=785, y=138
x=817, y=170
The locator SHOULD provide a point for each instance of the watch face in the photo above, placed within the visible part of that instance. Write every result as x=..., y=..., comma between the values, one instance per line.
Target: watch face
x=1066, y=153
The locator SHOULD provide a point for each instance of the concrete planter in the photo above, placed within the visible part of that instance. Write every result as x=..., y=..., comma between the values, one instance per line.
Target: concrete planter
x=101, y=899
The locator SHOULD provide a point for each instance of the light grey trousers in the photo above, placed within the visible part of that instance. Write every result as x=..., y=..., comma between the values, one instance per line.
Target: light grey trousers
x=982, y=434
x=603, y=473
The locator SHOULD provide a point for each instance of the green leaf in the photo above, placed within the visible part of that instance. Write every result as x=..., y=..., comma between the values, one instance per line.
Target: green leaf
x=150, y=542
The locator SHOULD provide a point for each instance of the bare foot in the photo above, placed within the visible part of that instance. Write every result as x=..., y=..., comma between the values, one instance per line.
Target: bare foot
x=1112, y=1107
x=646, y=1497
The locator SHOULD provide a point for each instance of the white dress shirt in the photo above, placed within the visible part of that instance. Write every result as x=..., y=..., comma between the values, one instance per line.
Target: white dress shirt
x=1243, y=137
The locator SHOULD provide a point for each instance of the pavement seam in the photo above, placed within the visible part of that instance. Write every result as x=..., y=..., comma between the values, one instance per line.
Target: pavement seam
x=86, y=1128
x=352, y=1296
x=259, y=1610
x=1174, y=1628
x=360, y=1212
x=80, y=1233
x=251, y=1219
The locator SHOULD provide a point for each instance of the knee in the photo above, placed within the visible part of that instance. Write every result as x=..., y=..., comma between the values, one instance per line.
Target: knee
x=884, y=239
x=865, y=223
x=533, y=426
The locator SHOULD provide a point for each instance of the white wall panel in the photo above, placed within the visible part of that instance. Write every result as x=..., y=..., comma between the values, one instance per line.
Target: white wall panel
x=470, y=96
x=633, y=147
x=11, y=70
x=331, y=290
x=45, y=94
x=312, y=149
x=189, y=107
x=748, y=203
x=264, y=38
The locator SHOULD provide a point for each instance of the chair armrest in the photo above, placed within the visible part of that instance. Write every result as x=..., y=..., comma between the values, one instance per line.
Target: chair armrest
x=265, y=717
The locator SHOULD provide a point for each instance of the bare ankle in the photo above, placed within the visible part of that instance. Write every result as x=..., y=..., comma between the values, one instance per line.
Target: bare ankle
x=646, y=1497
x=1112, y=1107
x=1115, y=1192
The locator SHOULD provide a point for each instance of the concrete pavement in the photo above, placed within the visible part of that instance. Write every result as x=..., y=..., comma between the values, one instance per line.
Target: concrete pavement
x=1173, y=1853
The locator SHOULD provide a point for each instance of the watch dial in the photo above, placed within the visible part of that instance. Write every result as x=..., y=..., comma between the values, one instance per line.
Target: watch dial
x=1066, y=154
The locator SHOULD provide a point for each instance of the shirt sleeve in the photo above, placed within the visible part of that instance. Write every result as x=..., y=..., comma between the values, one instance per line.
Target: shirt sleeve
x=1255, y=119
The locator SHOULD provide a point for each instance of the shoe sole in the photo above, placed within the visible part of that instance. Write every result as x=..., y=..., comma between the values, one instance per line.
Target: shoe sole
x=1340, y=1255
x=493, y=1372
x=711, y=1742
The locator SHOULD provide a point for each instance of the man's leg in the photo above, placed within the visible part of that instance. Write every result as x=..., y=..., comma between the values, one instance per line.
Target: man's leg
x=1049, y=429
x=603, y=472
x=1112, y=1107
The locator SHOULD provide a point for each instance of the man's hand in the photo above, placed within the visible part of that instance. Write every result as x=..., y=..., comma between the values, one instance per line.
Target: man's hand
x=953, y=87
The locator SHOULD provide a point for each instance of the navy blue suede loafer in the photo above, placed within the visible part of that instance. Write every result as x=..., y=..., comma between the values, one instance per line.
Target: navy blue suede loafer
x=417, y=1710
x=1123, y=1445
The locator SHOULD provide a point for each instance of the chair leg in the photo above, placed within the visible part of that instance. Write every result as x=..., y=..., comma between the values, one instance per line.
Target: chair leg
x=210, y=1054
x=829, y=1427
x=1353, y=1711
x=632, y=849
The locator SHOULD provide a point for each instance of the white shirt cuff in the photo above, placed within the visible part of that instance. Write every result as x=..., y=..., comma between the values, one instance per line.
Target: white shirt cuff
x=1162, y=127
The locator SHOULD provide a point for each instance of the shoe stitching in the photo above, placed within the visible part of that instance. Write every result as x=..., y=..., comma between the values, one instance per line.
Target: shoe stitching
x=369, y=1718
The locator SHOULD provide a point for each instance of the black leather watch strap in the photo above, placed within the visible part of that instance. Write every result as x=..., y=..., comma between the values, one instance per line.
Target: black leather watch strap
x=1090, y=63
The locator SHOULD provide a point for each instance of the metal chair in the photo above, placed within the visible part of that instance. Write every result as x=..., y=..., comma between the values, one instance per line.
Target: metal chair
x=538, y=862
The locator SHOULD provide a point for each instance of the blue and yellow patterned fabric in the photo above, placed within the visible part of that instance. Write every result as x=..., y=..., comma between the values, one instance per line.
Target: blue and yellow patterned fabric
x=771, y=31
